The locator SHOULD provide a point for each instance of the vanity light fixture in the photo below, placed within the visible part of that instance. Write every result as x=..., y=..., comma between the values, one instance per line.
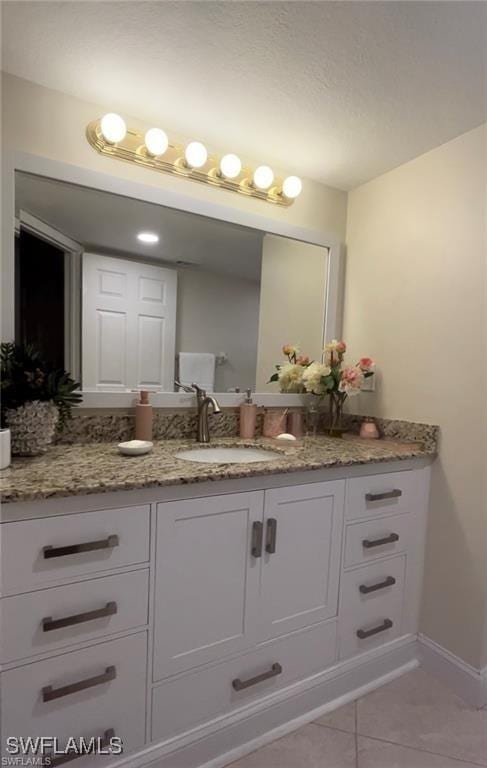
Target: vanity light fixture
x=153, y=149
x=230, y=166
x=196, y=154
x=113, y=128
x=156, y=142
x=263, y=177
x=292, y=186
x=148, y=237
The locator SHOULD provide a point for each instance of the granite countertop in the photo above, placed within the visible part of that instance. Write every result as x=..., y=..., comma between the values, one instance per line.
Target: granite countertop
x=76, y=470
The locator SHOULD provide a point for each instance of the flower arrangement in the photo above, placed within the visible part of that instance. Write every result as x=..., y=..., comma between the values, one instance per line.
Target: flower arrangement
x=330, y=377
x=290, y=374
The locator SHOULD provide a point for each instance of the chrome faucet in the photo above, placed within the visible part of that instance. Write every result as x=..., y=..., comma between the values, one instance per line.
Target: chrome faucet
x=203, y=401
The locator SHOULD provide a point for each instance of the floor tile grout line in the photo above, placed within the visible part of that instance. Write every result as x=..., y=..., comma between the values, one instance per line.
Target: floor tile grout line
x=421, y=749
x=331, y=728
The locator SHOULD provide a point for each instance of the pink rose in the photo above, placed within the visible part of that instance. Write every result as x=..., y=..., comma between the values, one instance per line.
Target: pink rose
x=341, y=347
x=351, y=380
x=366, y=363
x=303, y=360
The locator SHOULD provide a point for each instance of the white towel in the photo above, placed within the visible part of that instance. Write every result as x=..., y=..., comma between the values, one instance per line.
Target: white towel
x=197, y=368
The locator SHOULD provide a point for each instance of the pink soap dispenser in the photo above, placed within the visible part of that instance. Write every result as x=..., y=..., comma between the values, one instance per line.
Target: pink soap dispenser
x=143, y=417
x=248, y=416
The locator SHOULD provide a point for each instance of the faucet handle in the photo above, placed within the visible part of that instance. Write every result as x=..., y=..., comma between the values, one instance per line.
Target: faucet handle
x=199, y=391
x=185, y=387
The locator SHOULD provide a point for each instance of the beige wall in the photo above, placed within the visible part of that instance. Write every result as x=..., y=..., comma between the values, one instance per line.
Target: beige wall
x=415, y=300
x=219, y=313
x=52, y=124
x=292, y=306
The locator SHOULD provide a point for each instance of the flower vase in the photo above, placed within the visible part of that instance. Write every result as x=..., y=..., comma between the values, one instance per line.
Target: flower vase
x=335, y=417
x=32, y=427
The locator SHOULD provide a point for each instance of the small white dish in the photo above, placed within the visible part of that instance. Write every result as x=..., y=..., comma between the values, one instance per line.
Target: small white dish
x=135, y=447
x=286, y=436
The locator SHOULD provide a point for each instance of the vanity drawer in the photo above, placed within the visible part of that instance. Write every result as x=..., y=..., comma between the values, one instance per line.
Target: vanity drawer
x=390, y=493
x=371, y=598
x=37, y=552
x=378, y=538
x=184, y=702
x=54, y=618
x=38, y=703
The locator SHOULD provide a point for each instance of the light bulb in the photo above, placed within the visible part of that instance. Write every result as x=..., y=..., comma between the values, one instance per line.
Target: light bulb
x=292, y=186
x=113, y=128
x=196, y=154
x=148, y=237
x=156, y=142
x=230, y=166
x=263, y=177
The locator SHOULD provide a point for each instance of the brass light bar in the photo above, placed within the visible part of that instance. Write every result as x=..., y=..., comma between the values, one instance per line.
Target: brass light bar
x=132, y=148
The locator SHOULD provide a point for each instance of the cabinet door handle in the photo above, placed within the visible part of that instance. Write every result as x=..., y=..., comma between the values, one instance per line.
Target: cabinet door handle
x=363, y=633
x=48, y=623
x=49, y=693
x=240, y=685
x=55, y=760
x=369, y=543
x=270, y=535
x=394, y=494
x=74, y=549
x=389, y=582
x=257, y=534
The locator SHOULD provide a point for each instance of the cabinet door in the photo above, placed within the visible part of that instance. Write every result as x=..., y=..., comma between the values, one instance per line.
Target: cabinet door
x=207, y=580
x=301, y=560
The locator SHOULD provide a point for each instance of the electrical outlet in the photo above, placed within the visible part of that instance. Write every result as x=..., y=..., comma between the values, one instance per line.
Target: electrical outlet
x=369, y=383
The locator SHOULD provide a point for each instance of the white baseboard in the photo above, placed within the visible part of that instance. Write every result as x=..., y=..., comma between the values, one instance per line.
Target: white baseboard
x=232, y=736
x=467, y=681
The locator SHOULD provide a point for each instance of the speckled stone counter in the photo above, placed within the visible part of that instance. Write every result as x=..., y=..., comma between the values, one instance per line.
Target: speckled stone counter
x=76, y=470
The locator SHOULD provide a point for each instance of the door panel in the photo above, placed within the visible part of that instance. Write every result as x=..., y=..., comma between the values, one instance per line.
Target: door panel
x=207, y=580
x=129, y=324
x=301, y=561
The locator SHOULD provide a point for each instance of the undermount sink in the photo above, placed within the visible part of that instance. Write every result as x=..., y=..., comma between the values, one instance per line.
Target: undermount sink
x=237, y=455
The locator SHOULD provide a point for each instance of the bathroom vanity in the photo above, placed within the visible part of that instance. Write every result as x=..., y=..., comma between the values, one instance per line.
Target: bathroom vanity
x=191, y=609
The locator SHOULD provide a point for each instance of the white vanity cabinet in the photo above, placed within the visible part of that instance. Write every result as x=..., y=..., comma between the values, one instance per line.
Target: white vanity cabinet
x=210, y=614
x=238, y=569
x=207, y=579
x=301, y=557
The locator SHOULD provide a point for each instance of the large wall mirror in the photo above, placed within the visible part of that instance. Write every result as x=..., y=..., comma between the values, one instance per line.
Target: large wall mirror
x=210, y=301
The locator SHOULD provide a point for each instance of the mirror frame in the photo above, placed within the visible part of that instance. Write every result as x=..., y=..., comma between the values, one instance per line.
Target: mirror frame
x=73, y=174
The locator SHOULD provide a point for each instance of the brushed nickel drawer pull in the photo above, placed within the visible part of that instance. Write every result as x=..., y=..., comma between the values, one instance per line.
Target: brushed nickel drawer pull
x=55, y=760
x=240, y=685
x=389, y=582
x=74, y=549
x=48, y=623
x=270, y=536
x=364, y=633
x=257, y=533
x=369, y=543
x=394, y=494
x=49, y=693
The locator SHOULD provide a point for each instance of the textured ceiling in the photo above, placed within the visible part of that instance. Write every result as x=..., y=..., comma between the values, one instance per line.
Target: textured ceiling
x=335, y=91
x=110, y=223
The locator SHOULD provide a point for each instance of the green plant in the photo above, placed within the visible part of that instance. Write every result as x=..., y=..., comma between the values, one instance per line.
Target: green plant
x=25, y=377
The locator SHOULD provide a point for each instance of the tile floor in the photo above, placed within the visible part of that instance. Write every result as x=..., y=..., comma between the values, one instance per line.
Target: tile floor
x=413, y=722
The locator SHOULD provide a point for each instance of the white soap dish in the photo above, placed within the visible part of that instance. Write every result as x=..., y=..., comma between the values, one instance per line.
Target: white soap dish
x=135, y=447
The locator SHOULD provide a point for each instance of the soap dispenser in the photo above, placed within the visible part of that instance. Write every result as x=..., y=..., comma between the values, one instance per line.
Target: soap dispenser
x=143, y=417
x=248, y=416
